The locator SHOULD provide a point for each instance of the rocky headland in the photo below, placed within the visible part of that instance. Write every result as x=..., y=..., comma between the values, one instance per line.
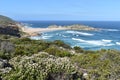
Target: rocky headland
x=13, y=28
x=9, y=27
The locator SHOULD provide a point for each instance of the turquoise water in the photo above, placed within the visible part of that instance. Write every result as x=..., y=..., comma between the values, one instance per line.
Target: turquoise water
x=108, y=38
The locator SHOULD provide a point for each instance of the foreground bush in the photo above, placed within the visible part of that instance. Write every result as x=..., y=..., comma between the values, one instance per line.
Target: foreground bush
x=41, y=67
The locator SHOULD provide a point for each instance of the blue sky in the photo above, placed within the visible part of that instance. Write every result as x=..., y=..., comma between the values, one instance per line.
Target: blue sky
x=83, y=10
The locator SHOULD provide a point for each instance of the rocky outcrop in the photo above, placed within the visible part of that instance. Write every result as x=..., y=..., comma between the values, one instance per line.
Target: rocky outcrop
x=6, y=47
x=63, y=76
x=10, y=30
x=76, y=27
x=5, y=67
x=9, y=27
x=81, y=27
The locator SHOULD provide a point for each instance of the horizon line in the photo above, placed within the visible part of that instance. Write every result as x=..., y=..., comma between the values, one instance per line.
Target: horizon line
x=75, y=20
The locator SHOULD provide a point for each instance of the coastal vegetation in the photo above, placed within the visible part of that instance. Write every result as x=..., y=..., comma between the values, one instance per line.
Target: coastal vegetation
x=42, y=60
x=6, y=20
x=27, y=59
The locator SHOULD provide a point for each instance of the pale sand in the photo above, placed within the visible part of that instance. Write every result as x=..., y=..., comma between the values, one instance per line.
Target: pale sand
x=36, y=31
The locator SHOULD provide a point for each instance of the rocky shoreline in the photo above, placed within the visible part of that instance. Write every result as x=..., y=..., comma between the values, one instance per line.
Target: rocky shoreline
x=76, y=27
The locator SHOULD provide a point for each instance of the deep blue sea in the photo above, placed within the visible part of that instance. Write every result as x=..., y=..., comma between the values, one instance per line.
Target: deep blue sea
x=107, y=38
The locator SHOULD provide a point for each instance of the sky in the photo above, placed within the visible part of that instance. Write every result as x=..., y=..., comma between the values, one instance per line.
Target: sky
x=79, y=10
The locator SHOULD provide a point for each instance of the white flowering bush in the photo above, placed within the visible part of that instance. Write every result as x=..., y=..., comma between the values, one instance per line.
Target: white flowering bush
x=38, y=67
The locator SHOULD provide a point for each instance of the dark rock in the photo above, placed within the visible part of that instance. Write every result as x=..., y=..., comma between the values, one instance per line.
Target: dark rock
x=10, y=30
x=4, y=63
x=5, y=67
x=63, y=76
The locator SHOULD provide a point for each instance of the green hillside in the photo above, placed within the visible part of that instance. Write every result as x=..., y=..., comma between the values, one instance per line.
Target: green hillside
x=6, y=20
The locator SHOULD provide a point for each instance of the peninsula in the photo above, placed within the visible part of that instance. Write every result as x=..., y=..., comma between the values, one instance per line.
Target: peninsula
x=14, y=28
x=37, y=31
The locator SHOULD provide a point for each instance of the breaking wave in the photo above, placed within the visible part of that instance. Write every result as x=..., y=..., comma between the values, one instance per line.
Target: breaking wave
x=111, y=30
x=102, y=42
x=118, y=43
x=80, y=33
x=40, y=37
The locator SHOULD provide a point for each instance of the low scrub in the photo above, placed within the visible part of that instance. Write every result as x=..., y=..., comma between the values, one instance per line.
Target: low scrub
x=58, y=52
x=41, y=66
x=102, y=65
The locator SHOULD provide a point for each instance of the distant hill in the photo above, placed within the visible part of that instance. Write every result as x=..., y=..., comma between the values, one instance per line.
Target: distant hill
x=8, y=26
x=6, y=20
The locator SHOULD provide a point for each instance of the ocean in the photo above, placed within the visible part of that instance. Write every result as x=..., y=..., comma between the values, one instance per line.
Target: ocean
x=107, y=38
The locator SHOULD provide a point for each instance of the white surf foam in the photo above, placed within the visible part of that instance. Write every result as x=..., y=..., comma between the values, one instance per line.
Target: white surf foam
x=46, y=37
x=105, y=40
x=26, y=25
x=96, y=42
x=77, y=35
x=40, y=37
x=111, y=29
x=64, y=36
x=118, y=43
x=35, y=38
x=80, y=33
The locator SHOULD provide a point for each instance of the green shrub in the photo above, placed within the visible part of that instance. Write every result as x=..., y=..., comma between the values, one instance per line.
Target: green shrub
x=78, y=49
x=25, y=39
x=58, y=52
x=5, y=37
x=26, y=46
x=103, y=65
x=61, y=44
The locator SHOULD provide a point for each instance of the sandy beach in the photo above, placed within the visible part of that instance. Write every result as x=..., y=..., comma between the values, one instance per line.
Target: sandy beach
x=36, y=31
